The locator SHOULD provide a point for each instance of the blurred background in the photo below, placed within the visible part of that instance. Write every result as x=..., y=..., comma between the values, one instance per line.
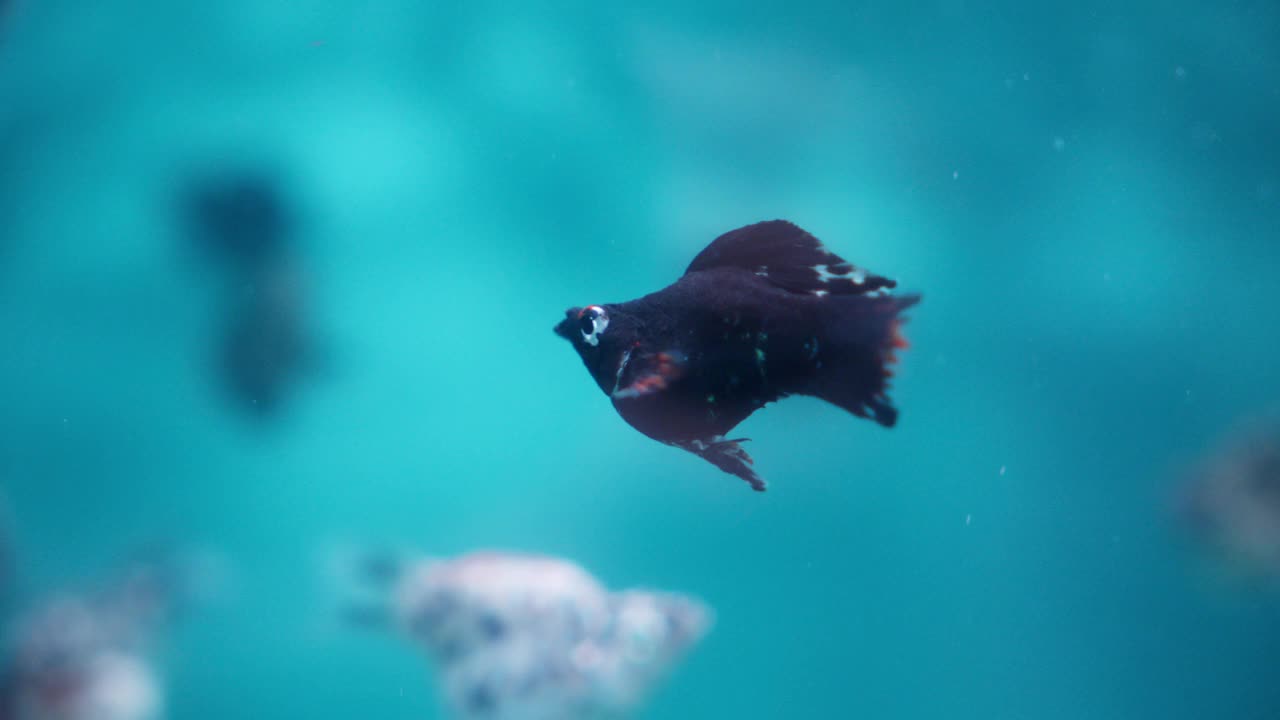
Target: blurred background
x=280, y=277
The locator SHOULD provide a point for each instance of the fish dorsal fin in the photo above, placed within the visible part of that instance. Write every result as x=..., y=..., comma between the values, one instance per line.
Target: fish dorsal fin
x=788, y=257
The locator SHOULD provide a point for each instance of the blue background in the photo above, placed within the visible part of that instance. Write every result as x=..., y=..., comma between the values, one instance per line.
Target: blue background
x=1086, y=193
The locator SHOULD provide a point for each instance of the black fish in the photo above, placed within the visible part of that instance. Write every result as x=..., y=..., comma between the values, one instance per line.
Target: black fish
x=246, y=224
x=765, y=311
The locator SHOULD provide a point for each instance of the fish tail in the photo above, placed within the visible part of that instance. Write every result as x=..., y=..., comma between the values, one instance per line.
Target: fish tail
x=365, y=580
x=863, y=336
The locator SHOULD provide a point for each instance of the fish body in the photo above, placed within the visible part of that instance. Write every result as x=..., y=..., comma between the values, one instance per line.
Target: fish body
x=246, y=225
x=517, y=636
x=1231, y=501
x=89, y=656
x=762, y=313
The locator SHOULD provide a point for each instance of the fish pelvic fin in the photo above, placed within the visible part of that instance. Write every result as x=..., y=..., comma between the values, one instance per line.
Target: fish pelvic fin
x=727, y=455
x=640, y=374
x=863, y=336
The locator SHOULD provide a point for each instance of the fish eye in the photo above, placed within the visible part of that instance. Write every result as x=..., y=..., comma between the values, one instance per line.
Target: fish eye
x=591, y=322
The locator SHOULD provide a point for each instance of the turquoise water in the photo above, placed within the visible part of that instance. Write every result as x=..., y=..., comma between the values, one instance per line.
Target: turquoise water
x=1086, y=194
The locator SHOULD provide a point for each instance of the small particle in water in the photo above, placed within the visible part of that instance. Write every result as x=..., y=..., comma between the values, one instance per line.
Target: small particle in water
x=955, y=174
x=968, y=519
x=1059, y=143
x=1002, y=469
x=1180, y=72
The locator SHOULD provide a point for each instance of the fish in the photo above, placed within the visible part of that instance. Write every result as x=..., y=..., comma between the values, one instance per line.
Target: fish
x=245, y=226
x=763, y=312
x=522, y=636
x=1230, y=503
x=266, y=344
x=89, y=654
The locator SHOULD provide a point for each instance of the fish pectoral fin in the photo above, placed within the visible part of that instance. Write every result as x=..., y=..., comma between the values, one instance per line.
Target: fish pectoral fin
x=649, y=373
x=727, y=455
x=785, y=256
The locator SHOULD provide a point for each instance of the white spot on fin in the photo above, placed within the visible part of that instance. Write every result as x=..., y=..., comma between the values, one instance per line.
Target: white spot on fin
x=857, y=275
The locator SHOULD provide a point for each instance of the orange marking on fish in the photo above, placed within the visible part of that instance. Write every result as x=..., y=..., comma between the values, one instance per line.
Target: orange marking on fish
x=896, y=339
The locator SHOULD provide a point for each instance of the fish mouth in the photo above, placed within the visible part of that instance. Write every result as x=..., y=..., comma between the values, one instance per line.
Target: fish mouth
x=566, y=327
